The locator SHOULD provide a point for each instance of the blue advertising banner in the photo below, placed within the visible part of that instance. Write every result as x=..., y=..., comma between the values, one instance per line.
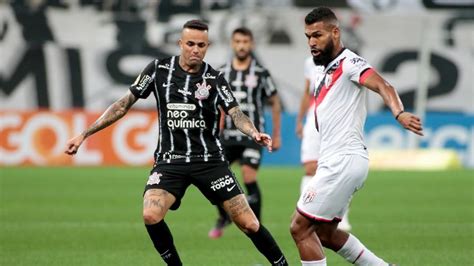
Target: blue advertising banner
x=442, y=130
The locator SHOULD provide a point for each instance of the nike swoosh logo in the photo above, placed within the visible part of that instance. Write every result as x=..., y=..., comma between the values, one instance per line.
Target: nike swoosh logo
x=166, y=85
x=230, y=188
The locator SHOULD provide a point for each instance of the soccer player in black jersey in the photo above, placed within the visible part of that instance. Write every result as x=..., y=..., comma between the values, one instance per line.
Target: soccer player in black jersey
x=252, y=86
x=189, y=95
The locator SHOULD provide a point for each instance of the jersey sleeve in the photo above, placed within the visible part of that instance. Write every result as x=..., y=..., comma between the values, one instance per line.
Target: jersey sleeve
x=143, y=85
x=358, y=69
x=225, y=97
x=269, y=84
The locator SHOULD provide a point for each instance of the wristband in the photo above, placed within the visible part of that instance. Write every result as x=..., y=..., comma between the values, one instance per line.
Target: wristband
x=401, y=112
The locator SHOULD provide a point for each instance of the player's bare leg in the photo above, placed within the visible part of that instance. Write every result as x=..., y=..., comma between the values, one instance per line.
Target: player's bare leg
x=156, y=203
x=309, y=246
x=242, y=215
x=249, y=176
x=345, y=244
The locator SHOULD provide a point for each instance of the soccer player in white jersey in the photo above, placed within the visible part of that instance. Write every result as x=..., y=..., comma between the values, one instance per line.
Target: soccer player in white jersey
x=340, y=115
x=310, y=142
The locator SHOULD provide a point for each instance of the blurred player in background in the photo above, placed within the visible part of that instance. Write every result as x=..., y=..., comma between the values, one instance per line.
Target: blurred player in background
x=343, y=163
x=252, y=86
x=310, y=140
x=189, y=95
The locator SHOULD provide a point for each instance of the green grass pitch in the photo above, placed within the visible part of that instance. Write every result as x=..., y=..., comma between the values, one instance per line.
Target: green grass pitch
x=92, y=216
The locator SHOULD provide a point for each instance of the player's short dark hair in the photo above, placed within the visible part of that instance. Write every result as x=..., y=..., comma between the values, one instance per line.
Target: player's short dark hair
x=320, y=14
x=196, y=24
x=244, y=31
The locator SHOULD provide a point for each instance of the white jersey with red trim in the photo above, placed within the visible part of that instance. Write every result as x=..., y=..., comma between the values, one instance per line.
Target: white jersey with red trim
x=310, y=141
x=341, y=105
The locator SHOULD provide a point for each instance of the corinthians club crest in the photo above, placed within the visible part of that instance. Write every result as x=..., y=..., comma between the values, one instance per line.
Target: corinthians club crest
x=251, y=81
x=202, y=91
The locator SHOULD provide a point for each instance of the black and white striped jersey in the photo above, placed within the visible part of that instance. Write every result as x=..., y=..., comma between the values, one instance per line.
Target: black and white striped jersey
x=251, y=88
x=188, y=106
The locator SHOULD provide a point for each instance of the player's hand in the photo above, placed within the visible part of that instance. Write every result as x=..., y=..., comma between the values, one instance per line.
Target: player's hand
x=299, y=129
x=411, y=122
x=263, y=139
x=73, y=144
x=276, y=142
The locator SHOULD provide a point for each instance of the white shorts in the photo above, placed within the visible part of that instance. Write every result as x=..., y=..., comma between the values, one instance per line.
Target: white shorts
x=311, y=141
x=329, y=192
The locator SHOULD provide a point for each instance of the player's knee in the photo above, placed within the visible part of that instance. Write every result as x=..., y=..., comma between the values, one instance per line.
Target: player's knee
x=249, y=226
x=296, y=230
x=151, y=217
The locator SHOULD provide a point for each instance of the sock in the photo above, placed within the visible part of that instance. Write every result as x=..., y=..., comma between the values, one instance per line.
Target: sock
x=222, y=212
x=304, y=182
x=254, y=198
x=314, y=262
x=163, y=241
x=356, y=253
x=264, y=242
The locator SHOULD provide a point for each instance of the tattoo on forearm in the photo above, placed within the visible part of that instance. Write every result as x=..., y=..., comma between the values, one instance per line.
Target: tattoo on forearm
x=116, y=111
x=243, y=122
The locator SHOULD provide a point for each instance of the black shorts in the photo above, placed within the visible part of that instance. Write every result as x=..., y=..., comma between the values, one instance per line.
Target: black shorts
x=247, y=154
x=214, y=179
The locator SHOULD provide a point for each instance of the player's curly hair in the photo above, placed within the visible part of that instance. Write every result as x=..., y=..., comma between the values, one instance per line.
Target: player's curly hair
x=320, y=14
x=196, y=24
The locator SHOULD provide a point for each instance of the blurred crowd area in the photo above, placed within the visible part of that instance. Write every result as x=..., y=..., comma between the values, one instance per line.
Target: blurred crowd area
x=64, y=62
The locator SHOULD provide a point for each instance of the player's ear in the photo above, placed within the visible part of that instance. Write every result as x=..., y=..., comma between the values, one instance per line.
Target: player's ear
x=336, y=32
x=180, y=44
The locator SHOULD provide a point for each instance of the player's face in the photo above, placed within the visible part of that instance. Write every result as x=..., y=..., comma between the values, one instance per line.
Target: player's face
x=321, y=40
x=242, y=46
x=193, y=44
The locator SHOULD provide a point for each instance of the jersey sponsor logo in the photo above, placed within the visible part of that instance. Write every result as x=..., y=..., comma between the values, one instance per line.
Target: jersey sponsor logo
x=181, y=119
x=167, y=84
x=251, y=81
x=181, y=106
x=251, y=153
x=209, y=76
x=240, y=95
x=237, y=83
x=228, y=95
x=144, y=81
x=202, y=92
x=165, y=66
x=154, y=179
x=226, y=181
x=358, y=61
x=185, y=92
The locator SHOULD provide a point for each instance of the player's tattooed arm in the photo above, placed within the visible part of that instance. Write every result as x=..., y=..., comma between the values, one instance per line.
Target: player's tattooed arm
x=245, y=125
x=242, y=122
x=116, y=111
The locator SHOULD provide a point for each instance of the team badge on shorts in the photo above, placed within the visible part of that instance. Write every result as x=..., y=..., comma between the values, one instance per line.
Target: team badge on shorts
x=154, y=179
x=309, y=195
x=202, y=92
